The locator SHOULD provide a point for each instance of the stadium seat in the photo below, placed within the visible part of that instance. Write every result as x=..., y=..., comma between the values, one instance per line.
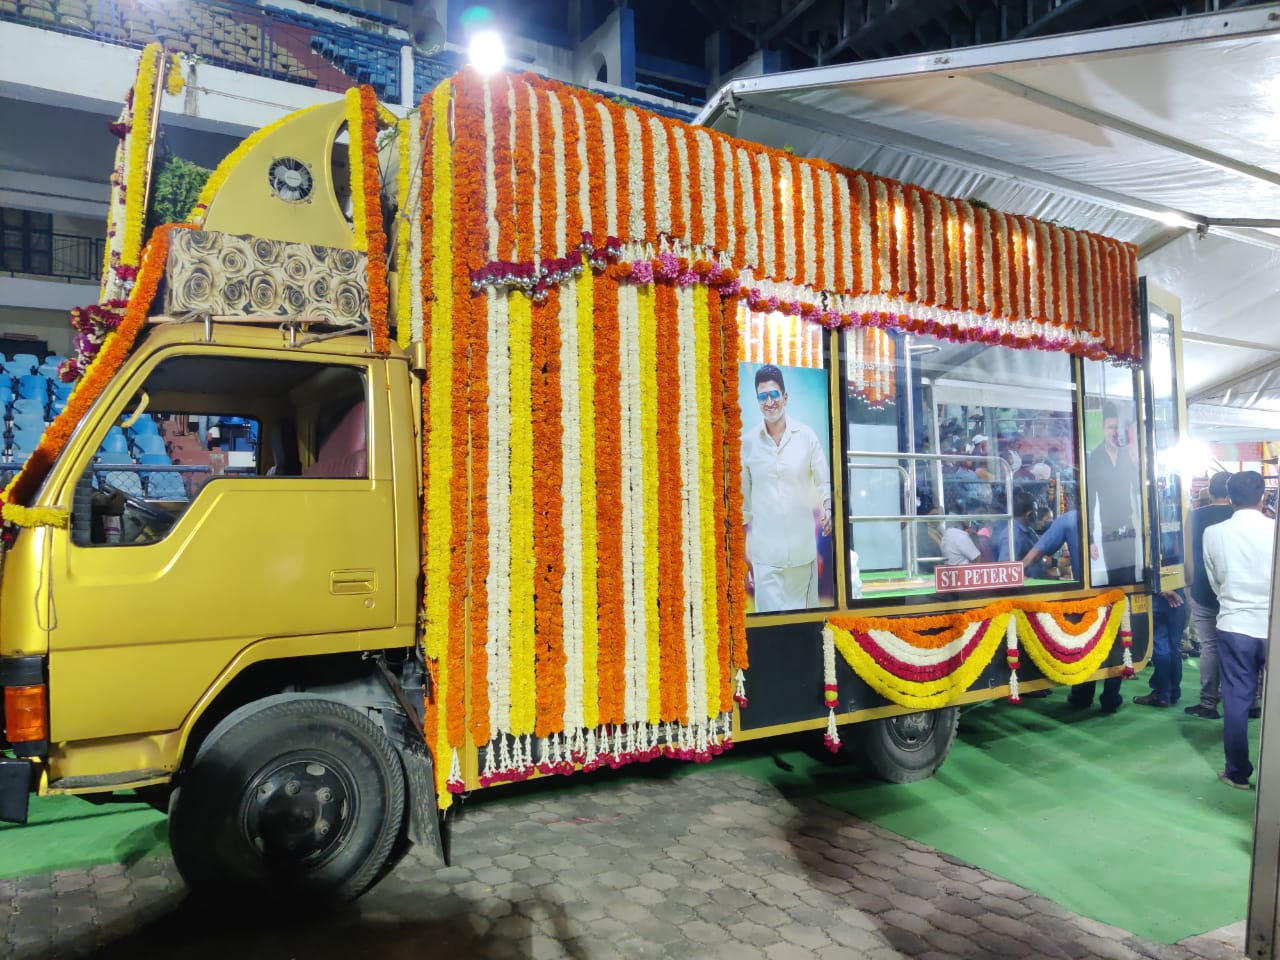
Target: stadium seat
x=27, y=405
x=32, y=386
x=155, y=459
x=108, y=456
x=61, y=390
x=145, y=427
x=149, y=443
x=165, y=486
x=26, y=440
x=115, y=441
x=26, y=362
x=28, y=419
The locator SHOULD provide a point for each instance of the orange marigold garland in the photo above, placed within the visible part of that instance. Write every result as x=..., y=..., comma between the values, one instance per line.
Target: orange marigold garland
x=377, y=238
x=670, y=555
x=719, y=361
x=469, y=239
x=609, y=498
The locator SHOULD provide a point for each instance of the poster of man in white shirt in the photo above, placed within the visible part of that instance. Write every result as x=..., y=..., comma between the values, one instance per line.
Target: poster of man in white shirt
x=786, y=489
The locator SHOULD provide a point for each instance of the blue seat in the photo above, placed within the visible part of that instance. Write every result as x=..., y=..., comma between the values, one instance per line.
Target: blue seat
x=57, y=405
x=110, y=456
x=27, y=439
x=61, y=390
x=143, y=428
x=28, y=419
x=115, y=441
x=25, y=405
x=6, y=387
x=22, y=363
x=165, y=486
x=155, y=459
x=149, y=443
x=32, y=386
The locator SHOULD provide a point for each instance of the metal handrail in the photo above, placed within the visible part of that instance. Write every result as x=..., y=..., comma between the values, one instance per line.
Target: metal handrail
x=912, y=517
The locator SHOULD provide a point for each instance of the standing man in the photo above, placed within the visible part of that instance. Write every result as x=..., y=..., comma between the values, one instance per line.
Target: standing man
x=1204, y=602
x=785, y=479
x=1113, y=484
x=1237, y=560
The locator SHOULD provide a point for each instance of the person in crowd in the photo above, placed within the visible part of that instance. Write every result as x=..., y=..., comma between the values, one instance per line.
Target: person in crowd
x=1238, y=554
x=1063, y=531
x=958, y=545
x=785, y=479
x=1204, y=602
x=1113, y=478
x=1169, y=620
x=1024, y=538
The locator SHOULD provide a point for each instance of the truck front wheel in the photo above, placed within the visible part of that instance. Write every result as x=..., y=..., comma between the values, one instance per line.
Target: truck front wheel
x=294, y=798
x=909, y=747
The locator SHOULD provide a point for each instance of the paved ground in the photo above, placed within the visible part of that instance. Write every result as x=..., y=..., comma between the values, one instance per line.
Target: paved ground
x=700, y=866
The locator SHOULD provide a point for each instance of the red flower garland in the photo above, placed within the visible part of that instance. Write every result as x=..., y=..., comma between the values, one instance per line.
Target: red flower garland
x=670, y=552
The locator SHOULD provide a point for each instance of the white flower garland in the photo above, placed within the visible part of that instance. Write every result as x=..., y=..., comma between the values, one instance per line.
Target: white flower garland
x=844, y=247
x=707, y=186
x=787, y=191
x=610, y=183
x=584, y=171
x=751, y=229
x=635, y=172
x=490, y=176
x=661, y=176
x=571, y=514
x=536, y=148
x=557, y=130
x=810, y=233
x=512, y=172
x=415, y=232
x=691, y=517
x=633, y=593
x=498, y=491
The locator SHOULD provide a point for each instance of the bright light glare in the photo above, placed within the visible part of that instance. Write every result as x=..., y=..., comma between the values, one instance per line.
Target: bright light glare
x=1188, y=458
x=1171, y=219
x=488, y=55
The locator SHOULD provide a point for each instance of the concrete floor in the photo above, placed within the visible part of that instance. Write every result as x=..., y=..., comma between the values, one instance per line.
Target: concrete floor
x=704, y=865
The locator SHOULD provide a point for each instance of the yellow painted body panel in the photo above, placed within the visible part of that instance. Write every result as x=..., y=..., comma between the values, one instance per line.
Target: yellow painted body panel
x=246, y=204
x=24, y=596
x=263, y=564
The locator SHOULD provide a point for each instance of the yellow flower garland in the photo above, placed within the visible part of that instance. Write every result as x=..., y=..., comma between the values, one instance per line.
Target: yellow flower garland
x=139, y=139
x=174, y=81
x=931, y=694
x=1069, y=673
x=35, y=516
x=355, y=166
x=649, y=391
x=586, y=391
x=523, y=700
x=404, y=233
x=705, y=490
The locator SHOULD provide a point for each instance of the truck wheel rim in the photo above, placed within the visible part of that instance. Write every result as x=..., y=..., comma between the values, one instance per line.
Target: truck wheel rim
x=912, y=731
x=298, y=811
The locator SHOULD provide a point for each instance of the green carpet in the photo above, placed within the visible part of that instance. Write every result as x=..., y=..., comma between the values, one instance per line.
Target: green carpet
x=66, y=833
x=1119, y=818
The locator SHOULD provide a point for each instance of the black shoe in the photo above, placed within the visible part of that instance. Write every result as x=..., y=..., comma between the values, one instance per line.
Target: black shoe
x=1255, y=713
x=1151, y=700
x=1078, y=704
x=1111, y=709
x=1036, y=694
x=1206, y=713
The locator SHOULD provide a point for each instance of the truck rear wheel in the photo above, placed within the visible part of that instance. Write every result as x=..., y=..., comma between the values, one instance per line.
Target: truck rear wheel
x=909, y=747
x=291, y=799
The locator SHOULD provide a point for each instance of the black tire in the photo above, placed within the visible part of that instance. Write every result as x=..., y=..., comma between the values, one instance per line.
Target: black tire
x=293, y=799
x=909, y=747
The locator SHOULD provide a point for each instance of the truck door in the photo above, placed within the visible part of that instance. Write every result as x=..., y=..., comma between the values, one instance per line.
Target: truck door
x=251, y=499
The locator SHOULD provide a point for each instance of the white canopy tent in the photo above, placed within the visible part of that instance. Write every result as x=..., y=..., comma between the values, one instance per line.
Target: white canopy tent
x=1165, y=134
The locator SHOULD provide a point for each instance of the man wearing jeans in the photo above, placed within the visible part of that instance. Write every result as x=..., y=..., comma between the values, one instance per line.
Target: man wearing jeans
x=1204, y=602
x=1237, y=560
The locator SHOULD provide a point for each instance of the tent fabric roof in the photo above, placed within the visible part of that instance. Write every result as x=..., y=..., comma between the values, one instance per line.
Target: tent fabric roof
x=1165, y=134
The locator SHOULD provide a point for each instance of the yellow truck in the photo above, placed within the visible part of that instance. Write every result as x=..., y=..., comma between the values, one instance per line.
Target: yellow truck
x=440, y=452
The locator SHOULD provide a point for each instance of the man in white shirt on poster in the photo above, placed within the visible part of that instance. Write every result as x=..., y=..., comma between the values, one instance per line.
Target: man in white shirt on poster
x=785, y=479
x=1237, y=561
